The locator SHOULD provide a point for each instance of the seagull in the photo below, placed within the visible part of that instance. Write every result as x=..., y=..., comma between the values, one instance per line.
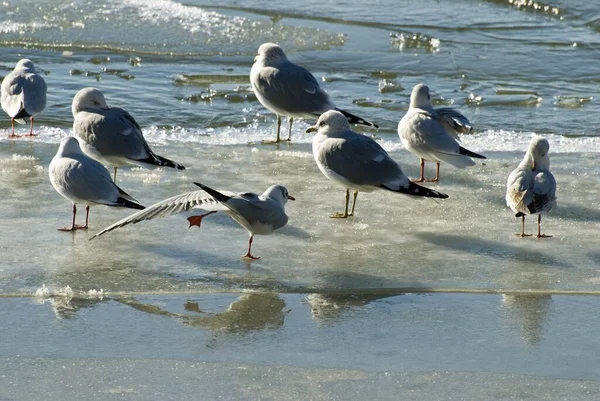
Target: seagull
x=288, y=89
x=259, y=214
x=23, y=94
x=531, y=187
x=432, y=134
x=358, y=162
x=81, y=179
x=111, y=135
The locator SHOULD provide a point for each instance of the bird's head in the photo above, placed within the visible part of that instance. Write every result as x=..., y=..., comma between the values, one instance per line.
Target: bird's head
x=270, y=53
x=88, y=98
x=26, y=64
x=330, y=123
x=420, y=97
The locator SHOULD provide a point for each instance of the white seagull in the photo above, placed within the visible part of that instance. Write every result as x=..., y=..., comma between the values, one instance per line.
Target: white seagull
x=357, y=162
x=23, y=94
x=432, y=134
x=531, y=187
x=288, y=89
x=111, y=135
x=83, y=180
x=259, y=214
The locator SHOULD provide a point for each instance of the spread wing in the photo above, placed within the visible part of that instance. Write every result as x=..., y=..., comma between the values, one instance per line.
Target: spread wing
x=453, y=121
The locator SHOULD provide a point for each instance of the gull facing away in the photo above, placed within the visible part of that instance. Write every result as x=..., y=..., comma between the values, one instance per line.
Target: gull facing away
x=111, y=135
x=83, y=180
x=23, y=94
x=358, y=162
x=288, y=89
x=531, y=187
x=259, y=214
x=432, y=134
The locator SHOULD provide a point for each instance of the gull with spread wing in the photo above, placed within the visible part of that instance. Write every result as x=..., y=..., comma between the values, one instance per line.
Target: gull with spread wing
x=258, y=214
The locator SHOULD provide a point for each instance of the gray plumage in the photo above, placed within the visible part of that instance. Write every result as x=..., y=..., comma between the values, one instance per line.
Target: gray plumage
x=83, y=180
x=358, y=162
x=258, y=214
x=288, y=89
x=110, y=134
x=23, y=93
x=531, y=187
x=432, y=134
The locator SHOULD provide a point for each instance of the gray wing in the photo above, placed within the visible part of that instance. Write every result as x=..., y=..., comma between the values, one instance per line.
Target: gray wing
x=361, y=160
x=453, y=121
x=34, y=91
x=543, y=192
x=293, y=89
x=113, y=132
x=518, y=190
x=84, y=179
x=174, y=205
x=12, y=94
x=255, y=209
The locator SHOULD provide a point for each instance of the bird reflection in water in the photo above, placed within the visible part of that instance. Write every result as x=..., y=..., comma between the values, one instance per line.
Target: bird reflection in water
x=530, y=311
x=329, y=307
x=250, y=312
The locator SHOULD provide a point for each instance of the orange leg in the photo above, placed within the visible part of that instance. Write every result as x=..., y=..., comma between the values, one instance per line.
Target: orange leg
x=422, y=177
x=13, y=129
x=437, y=174
x=197, y=220
x=87, y=215
x=539, y=234
x=72, y=228
x=31, y=127
x=522, y=234
x=248, y=255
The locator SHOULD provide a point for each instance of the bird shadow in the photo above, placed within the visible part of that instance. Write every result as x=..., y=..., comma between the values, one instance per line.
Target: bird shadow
x=493, y=249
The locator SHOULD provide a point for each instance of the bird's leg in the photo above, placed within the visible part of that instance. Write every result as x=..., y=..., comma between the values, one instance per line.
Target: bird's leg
x=291, y=121
x=72, y=228
x=248, y=255
x=437, y=174
x=353, y=203
x=87, y=215
x=13, y=129
x=115, y=174
x=31, y=127
x=539, y=234
x=422, y=177
x=278, y=139
x=522, y=234
x=197, y=220
x=340, y=215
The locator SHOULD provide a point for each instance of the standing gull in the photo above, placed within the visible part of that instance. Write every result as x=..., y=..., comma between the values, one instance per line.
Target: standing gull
x=531, y=187
x=23, y=94
x=432, y=134
x=259, y=214
x=111, y=135
x=358, y=162
x=290, y=90
x=81, y=179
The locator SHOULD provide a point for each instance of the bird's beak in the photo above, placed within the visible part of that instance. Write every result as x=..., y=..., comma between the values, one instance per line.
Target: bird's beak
x=533, y=166
x=311, y=129
x=290, y=197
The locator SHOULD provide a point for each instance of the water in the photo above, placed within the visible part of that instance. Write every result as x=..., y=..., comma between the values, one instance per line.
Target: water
x=181, y=69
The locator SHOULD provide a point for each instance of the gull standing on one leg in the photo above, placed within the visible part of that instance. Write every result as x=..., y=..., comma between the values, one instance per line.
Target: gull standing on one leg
x=23, y=94
x=111, y=135
x=357, y=162
x=531, y=187
x=81, y=179
x=432, y=134
x=288, y=89
x=258, y=214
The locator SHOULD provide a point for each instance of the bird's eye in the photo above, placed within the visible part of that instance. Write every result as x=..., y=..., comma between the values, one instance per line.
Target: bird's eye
x=428, y=97
x=322, y=123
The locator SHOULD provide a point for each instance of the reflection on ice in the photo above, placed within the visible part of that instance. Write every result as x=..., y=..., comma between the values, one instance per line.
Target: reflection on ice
x=529, y=312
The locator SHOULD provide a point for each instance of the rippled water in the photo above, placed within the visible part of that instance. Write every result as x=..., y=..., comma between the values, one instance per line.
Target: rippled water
x=513, y=67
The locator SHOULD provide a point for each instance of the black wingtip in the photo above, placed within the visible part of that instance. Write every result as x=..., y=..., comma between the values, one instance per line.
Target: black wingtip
x=214, y=193
x=157, y=160
x=352, y=119
x=467, y=152
x=129, y=204
x=417, y=190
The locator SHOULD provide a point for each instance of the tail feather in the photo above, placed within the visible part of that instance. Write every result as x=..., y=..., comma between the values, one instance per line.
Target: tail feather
x=417, y=190
x=467, y=152
x=161, y=161
x=352, y=119
x=214, y=193
x=121, y=201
